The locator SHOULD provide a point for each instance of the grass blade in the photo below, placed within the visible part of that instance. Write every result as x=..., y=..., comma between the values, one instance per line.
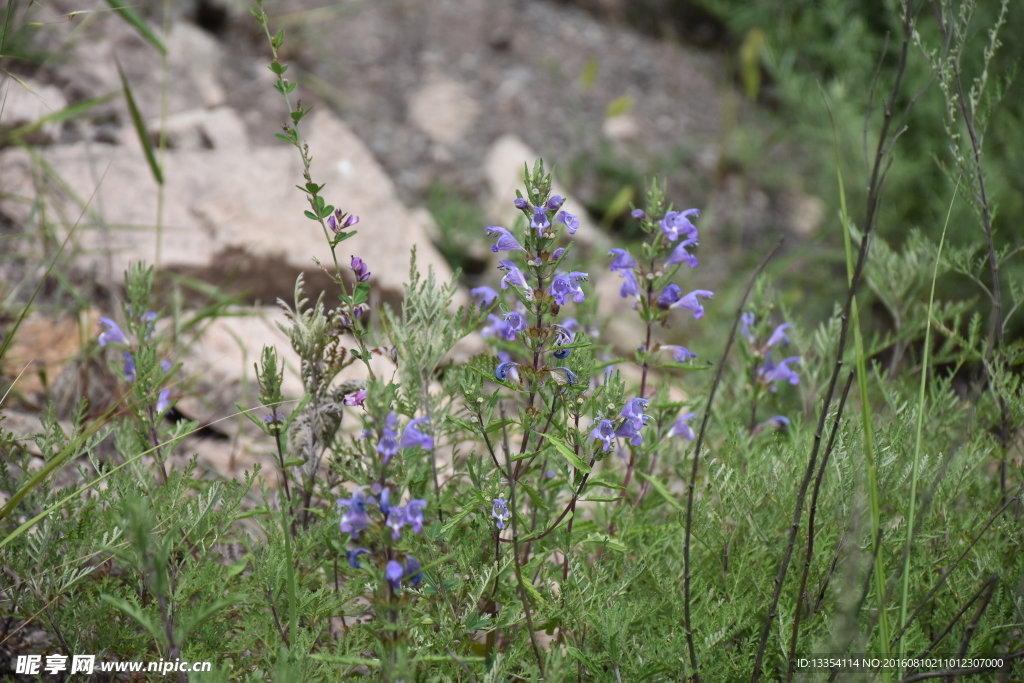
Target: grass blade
x=129, y=15
x=140, y=128
x=905, y=595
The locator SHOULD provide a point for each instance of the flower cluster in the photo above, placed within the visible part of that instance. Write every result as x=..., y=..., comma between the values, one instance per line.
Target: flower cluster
x=634, y=419
x=766, y=372
x=374, y=512
x=112, y=335
x=356, y=512
x=389, y=443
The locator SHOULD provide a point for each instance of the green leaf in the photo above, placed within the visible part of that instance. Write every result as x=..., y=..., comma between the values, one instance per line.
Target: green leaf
x=534, y=495
x=285, y=138
x=58, y=116
x=663, y=491
x=604, y=479
x=607, y=541
x=344, y=659
x=619, y=106
x=566, y=452
x=140, y=128
x=277, y=67
x=466, y=511
x=361, y=294
x=462, y=423
x=294, y=462
x=136, y=613
x=310, y=215
x=585, y=660
x=278, y=40
x=129, y=15
x=203, y=613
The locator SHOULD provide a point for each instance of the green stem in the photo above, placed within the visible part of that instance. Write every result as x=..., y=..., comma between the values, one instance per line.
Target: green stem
x=920, y=430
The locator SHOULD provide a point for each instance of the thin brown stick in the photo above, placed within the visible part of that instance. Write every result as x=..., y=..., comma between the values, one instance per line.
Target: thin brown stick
x=515, y=546
x=956, y=563
x=883, y=159
x=696, y=456
x=801, y=593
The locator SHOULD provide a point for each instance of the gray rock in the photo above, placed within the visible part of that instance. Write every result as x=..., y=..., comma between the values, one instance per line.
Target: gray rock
x=232, y=215
x=503, y=167
x=26, y=101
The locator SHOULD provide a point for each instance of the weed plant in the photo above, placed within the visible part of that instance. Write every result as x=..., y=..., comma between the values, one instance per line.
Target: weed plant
x=549, y=510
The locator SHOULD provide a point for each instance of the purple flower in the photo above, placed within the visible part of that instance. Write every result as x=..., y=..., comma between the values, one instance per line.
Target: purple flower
x=557, y=254
x=550, y=474
x=569, y=220
x=385, y=498
x=163, y=402
x=509, y=370
x=414, y=514
x=540, y=219
x=339, y=220
x=680, y=255
x=628, y=430
x=360, y=268
x=747, y=319
x=353, y=557
x=781, y=372
x=499, y=511
x=677, y=223
x=633, y=411
x=514, y=322
x=388, y=445
x=354, y=519
x=412, y=436
x=564, y=286
x=780, y=422
x=506, y=241
x=486, y=294
x=396, y=520
x=690, y=302
x=779, y=336
x=622, y=260
x=555, y=202
x=604, y=432
x=521, y=203
x=356, y=398
x=496, y=328
x=111, y=334
x=393, y=572
x=681, y=428
x=630, y=287
x=680, y=353
x=514, y=278
x=412, y=571
x=129, y=368
x=669, y=296
x=166, y=366
x=638, y=214
x=274, y=418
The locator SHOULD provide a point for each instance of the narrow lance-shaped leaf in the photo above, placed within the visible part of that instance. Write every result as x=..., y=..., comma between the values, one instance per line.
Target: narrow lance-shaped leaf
x=140, y=128
x=129, y=15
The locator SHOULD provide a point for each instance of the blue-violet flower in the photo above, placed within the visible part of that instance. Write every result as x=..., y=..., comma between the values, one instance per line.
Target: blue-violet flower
x=499, y=511
x=412, y=436
x=388, y=445
x=112, y=334
x=506, y=241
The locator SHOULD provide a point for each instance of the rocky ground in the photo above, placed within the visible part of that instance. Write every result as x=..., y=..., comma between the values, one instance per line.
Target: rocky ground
x=407, y=95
